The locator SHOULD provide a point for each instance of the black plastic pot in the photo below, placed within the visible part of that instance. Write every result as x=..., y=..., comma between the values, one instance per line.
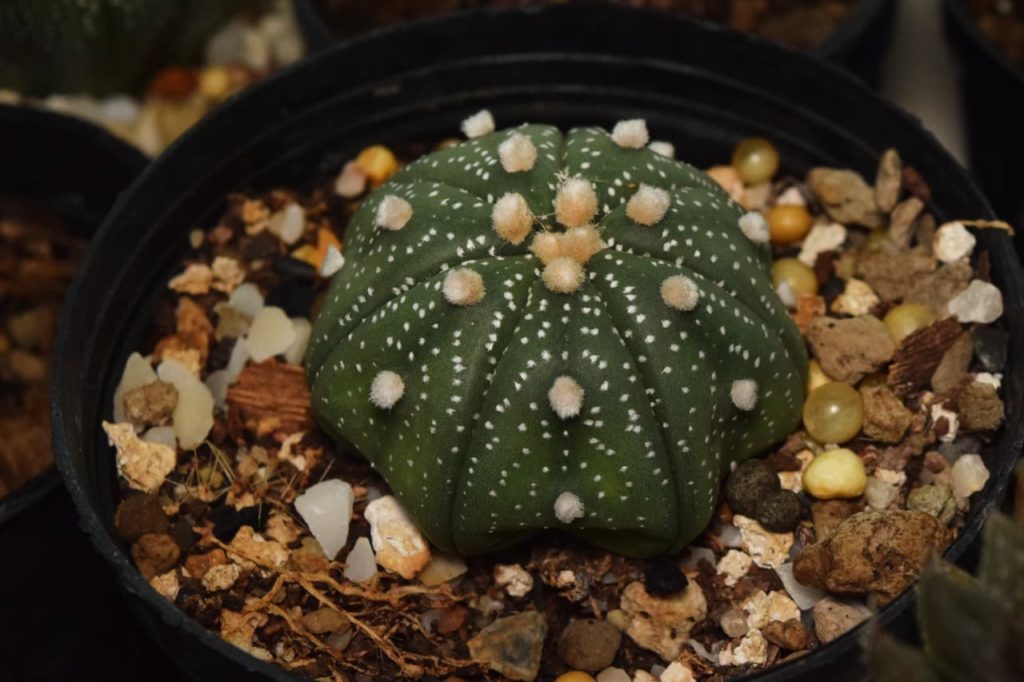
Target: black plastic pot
x=859, y=43
x=993, y=88
x=74, y=171
x=698, y=86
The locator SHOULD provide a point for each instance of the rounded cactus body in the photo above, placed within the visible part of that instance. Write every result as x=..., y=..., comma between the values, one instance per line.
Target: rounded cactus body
x=591, y=353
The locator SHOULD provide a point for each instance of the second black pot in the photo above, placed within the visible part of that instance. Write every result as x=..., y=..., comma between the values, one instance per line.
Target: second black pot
x=700, y=87
x=993, y=95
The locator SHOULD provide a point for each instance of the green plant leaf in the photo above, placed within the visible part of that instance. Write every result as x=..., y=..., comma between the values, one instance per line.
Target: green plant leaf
x=890, y=660
x=1002, y=560
x=968, y=631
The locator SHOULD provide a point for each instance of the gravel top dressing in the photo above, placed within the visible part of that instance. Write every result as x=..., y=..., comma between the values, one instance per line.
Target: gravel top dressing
x=627, y=420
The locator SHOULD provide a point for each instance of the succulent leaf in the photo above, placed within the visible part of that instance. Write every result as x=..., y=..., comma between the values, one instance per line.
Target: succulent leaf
x=1001, y=569
x=599, y=378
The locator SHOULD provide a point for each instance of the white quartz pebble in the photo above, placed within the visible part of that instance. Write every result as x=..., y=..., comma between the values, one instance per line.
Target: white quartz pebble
x=952, y=241
x=327, y=509
x=288, y=223
x=137, y=373
x=969, y=475
x=360, y=564
x=979, y=302
x=333, y=261
x=271, y=333
x=246, y=299
x=821, y=238
x=295, y=352
x=351, y=182
x=193, y=414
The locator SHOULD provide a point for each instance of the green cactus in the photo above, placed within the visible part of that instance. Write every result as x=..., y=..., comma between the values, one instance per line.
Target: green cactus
x=535, y=331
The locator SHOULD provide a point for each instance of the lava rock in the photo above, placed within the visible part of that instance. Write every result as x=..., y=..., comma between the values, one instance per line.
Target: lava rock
x=512, y=646
x=990, y=347
x=789, y=634
x=849, y=349
x=155, y=554
x=832, y=618
x=589, y=645
x=936, y=500
x=662, y=577
x=140, y=514
x=780, y=512
x=748, y=485
x=980, y=408
x=886, y=418
x=872, y=551
x=227, y=520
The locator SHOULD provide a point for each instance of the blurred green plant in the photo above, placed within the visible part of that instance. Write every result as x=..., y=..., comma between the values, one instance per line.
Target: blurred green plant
x=102, y=46
x=971, y=627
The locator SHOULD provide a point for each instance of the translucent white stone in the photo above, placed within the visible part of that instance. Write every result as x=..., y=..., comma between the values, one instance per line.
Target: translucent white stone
x=164, y=435
x=246, y=299
x=327, y=509
x=295, y=352
x=271, y=333
x=288, y=223
x=360, y=564
x=804, y=597
x=193, y=414
x=979, y=302
x=969, y=475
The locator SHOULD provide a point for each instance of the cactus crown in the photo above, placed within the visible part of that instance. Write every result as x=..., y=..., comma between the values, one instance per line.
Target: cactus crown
x=536, y=331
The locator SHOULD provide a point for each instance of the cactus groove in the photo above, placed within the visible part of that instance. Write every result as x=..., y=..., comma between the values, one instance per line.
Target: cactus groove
x=565, y=332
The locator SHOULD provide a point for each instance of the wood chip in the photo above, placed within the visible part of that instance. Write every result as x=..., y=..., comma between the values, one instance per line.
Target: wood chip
x=271, y=396
x=919, y=354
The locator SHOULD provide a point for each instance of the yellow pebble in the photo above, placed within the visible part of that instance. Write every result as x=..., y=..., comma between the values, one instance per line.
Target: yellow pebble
x=815, y=376
x=378, y=162
x=905, y=319
x=215, y=83
x=835, y=474
x=618, y=618
x=574, y=676
x=789, y=223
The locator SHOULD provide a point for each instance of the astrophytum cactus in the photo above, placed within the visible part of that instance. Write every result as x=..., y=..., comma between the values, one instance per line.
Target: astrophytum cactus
x=538, y=331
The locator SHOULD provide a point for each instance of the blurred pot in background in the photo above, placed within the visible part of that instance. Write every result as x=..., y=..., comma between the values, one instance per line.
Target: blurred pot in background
x=853, y=33
x=989, y=39
x=146, y=70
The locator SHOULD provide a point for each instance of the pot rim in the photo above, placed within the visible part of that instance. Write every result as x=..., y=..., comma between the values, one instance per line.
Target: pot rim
x=970, y=36
x=132, y=581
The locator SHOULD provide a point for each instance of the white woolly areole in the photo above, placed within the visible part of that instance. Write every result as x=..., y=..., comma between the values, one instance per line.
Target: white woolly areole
x=517, y=153
x=580, y=243
x=575, y=203
x=387, y=389
x=563, y=275
x=680, y=292
x=666, y=149
x=512, y=218
x=755, y=227
x=393, y=212
x=566, y=397
x=568, y=507
x=744, y=394
x=546, y=246
x=480, y=123
x=631, y=134
x=463, y=286
x=648, y=205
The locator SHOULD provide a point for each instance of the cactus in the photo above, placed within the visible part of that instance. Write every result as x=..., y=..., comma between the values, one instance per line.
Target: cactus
x=538, y=331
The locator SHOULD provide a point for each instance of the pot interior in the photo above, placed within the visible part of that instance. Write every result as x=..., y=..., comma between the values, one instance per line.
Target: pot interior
x=698, y=87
